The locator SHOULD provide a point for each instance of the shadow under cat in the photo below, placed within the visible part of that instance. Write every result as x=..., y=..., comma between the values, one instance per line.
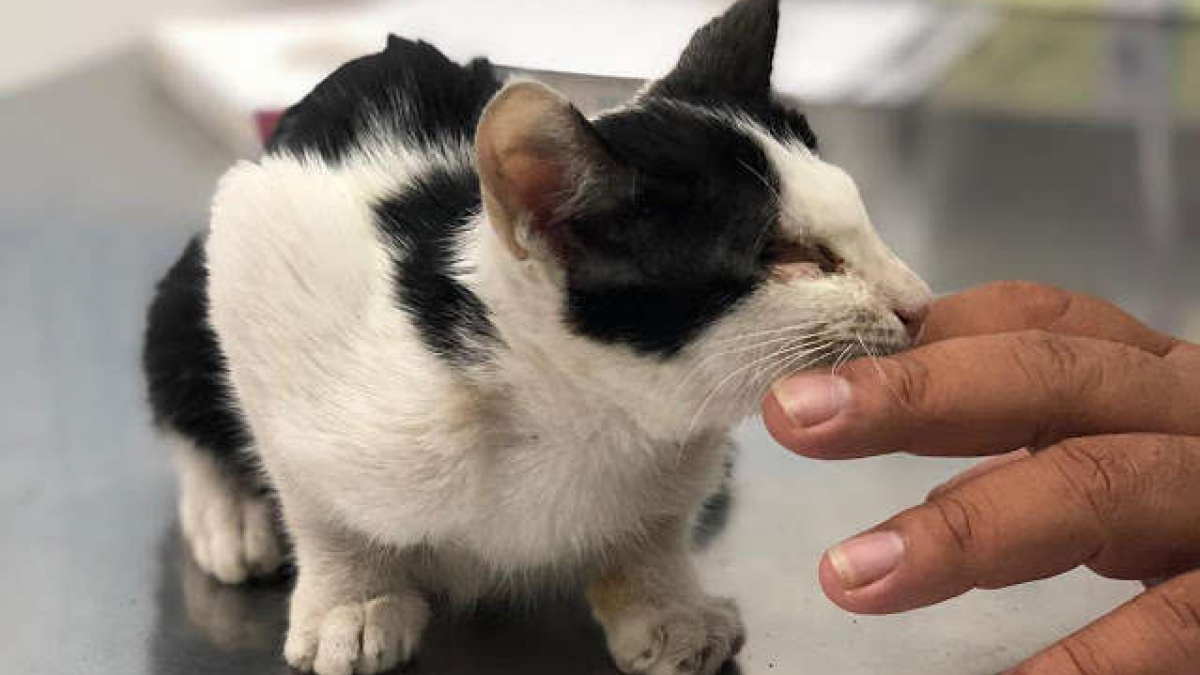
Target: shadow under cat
x=205, y=626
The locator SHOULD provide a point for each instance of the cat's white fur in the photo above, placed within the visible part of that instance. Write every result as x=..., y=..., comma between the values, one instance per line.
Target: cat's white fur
x=821, y=201
x=562, y=460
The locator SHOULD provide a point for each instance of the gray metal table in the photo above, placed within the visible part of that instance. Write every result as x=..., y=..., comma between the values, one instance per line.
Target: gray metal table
x=102, y=182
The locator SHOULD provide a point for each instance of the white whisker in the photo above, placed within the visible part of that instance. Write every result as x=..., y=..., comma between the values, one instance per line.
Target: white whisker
x=790, y=366
x=750, y=385
x=795, y=339
x=738, y=371
x=771, y=331
x=879, y=369
x=795, y=364
x=838, y=362
x=698, y=367
x=789, y=340
x=776, y=371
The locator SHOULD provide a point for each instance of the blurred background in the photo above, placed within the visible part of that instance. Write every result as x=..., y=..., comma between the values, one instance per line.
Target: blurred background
x=1053, y=140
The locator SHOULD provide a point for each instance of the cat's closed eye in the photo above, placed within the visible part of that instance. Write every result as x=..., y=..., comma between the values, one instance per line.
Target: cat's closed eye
x=814, y=258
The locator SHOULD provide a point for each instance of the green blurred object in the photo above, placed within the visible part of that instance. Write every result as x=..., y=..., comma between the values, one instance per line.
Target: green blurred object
x=1042, y=66
x=1189, y=8
x=1031, y=66
x=1188, y=74
x=1055, y=5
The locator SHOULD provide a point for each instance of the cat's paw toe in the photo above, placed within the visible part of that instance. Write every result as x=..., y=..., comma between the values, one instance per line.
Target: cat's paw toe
x=685, y=640
x=232, y=535
x=358, y=638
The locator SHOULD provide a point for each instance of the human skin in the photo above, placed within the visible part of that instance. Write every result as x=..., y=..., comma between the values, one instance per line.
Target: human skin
x=1093, y=422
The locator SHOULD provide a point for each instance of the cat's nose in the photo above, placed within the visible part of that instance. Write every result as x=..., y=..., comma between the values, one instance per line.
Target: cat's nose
x=913, y=319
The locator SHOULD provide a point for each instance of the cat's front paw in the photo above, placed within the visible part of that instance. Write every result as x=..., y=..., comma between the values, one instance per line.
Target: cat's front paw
x=363, y=638
x=686, y=639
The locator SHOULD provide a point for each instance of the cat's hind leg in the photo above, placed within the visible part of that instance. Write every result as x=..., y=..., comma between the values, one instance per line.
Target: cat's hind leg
x=225, y=511
x=229, y=522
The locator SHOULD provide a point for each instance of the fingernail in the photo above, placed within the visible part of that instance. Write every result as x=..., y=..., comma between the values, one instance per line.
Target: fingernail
x=866, y=559
x=810, y=400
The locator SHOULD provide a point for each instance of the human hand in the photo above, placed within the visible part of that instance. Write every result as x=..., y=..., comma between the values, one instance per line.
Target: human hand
x=1111, y=410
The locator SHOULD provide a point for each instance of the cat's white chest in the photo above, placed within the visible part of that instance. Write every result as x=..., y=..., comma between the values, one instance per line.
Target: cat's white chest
x=562, y=498
x=518, y=491
x=557, y=497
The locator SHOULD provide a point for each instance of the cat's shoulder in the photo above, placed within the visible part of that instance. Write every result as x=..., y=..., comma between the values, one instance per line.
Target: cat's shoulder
x=296, y=242
x=293, y=240
x=410, y=90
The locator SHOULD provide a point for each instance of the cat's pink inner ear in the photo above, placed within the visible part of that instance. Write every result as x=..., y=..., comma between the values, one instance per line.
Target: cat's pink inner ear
x=524, y=146
x=534, y=182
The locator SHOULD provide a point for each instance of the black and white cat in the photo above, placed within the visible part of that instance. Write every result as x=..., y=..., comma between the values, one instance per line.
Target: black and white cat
x=476, y=344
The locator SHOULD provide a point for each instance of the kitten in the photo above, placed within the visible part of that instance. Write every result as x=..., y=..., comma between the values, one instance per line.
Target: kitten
x=476, y=344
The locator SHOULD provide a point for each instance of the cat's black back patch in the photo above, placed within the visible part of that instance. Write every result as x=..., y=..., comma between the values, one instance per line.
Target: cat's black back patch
x=686, y=246
x=413, y=91
x=423, y=223
x=410, y=89
x=185, y=369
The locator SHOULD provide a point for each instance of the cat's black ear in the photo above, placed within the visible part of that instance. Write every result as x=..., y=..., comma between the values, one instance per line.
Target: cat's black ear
x=729, y=59
x=539, y=162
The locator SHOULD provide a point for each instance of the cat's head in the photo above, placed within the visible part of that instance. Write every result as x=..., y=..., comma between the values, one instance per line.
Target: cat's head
x=698, y=220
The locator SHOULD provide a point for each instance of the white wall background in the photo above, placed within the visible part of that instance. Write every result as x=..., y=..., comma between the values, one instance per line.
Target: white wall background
x=41, y=38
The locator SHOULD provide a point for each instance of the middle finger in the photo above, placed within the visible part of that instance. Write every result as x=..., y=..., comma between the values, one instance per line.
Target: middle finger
x=1124, y=505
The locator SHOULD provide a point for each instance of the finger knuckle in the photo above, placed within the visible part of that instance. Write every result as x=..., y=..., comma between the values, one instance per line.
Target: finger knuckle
x=1059, y=368
x=1095, y=474
x=1051, y=361
x=1072, y=656
x=1177, y=611
x=912, y=384
x=1042, y=305
x=1085, y=657
x=962, y=521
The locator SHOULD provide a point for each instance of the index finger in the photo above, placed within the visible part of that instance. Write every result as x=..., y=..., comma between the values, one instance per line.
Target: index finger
x=1010, y=306
x=983, y=395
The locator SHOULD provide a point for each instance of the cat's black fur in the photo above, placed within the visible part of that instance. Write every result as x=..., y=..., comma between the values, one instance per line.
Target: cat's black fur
x=661, y=264
x=424, y=220
x=185, y=370
x=657, y=264
x=410, y=89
